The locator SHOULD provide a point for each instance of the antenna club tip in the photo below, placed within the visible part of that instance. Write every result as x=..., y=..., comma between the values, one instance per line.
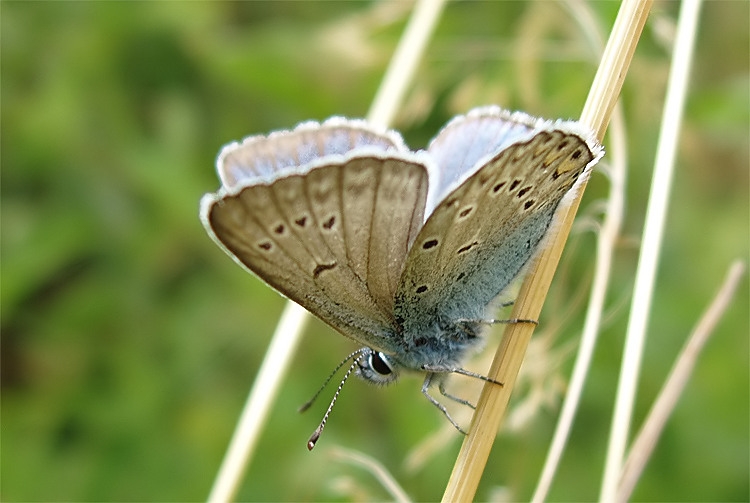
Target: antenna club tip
x=313, y=440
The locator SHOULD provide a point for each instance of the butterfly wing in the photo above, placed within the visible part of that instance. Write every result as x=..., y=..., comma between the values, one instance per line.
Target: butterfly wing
x=331, y=235
x=482, y=234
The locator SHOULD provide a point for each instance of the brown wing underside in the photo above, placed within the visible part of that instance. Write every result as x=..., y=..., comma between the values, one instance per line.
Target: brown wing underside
x=333, y=240
x=480, y=237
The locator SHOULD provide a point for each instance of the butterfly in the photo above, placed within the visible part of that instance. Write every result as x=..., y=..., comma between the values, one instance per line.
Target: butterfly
x=401, y=251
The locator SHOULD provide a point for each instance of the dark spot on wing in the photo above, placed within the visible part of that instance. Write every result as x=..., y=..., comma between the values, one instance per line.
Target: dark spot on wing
x=323, y=267
x=562, y=145
x=422, y=289
x=430, y=244
x=498, y=186
x=460, y=276
x=279, y=229
x=576, y=154
x=524, y=191
x=465, y=212
x=528, y=204
x=513, y=185
x=265, y=245
x=301, y=221
x=468, y=247
x=328, y=224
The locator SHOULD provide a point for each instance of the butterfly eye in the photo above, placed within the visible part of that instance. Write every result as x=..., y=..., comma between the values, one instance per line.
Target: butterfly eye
x=379, y=363
x=376, y=367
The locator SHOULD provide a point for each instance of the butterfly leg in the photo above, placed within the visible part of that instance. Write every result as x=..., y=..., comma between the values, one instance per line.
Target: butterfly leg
x=466, y=325
x=441, y=387
x=510, y=321
x=435, y=369
x=425, y=392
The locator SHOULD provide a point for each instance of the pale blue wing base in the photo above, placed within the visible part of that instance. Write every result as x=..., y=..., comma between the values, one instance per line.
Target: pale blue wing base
x=462, y=145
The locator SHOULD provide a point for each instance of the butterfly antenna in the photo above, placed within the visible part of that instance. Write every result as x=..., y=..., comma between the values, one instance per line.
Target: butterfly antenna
x=307, y=404
x=316, y=434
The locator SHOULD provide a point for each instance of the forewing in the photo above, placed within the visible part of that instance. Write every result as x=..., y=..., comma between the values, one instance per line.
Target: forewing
x=333, y=239
x=482, y=234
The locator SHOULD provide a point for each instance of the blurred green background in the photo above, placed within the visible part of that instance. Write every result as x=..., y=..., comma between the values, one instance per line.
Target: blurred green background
x=129, y=340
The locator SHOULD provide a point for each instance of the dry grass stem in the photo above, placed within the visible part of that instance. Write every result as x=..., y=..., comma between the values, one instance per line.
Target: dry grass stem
x=645, y=441
x=493, y=402
x=377, y=470
x=405, y=62
x=652, y=240
x=607, y=236
x=253, y=417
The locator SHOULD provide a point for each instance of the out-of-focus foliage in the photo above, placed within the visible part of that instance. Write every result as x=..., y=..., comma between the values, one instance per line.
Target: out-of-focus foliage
x=129, y=340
